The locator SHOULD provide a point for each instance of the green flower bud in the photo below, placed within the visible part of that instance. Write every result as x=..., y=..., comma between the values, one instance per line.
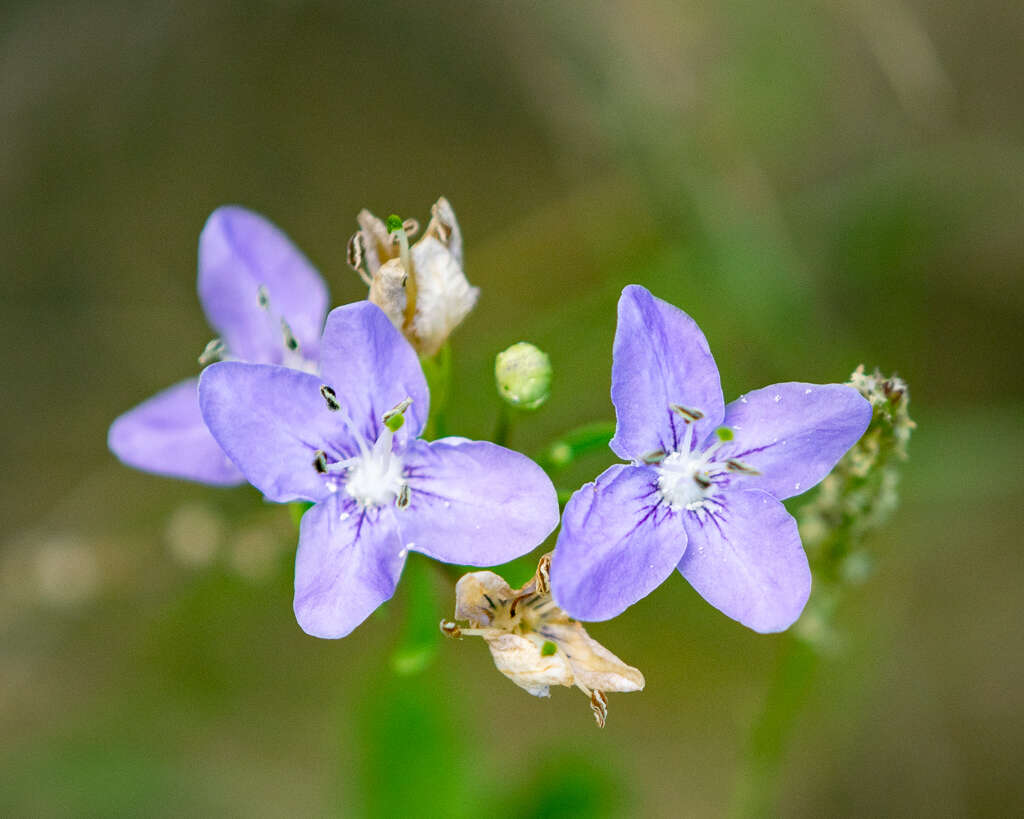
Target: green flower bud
x=523, y=375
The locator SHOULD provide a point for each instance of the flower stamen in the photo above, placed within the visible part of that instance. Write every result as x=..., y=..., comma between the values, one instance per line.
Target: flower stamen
x=215, y=350
x=331, y=397
x=320, y=462
x=689, y=414
x=290, y=342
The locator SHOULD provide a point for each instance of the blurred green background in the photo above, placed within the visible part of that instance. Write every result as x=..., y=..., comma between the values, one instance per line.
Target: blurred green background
x=817, y=183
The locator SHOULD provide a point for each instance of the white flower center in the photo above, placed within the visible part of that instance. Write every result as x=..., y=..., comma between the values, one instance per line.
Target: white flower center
x=375, y=478
x=685, y=480
x=688, y=479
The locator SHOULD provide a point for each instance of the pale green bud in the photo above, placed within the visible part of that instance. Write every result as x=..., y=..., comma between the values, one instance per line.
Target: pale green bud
x=523, y=375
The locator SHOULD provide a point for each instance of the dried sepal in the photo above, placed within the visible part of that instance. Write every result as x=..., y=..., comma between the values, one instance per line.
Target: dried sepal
x=594, y=665
x=388, y=290
x=427, y=295
x=520, y=658
x=444, y=227
x=533, y=642
x=376, y=244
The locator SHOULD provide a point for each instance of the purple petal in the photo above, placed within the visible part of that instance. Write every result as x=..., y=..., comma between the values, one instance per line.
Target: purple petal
x=238, y=252
x=475, y=502
x=616, y=544
x=270, y=421
x=748, y=562
x=166, y=435
x=372, y=368
x=660, y=357
x=794, y=433
x=345, y=567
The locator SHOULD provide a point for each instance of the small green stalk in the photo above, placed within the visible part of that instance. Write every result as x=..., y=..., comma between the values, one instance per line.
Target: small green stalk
x=857, y=497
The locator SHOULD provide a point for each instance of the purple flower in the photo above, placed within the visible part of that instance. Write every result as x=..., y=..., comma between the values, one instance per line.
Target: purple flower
x=268, y=303
x=698, y=496
x=346, y=439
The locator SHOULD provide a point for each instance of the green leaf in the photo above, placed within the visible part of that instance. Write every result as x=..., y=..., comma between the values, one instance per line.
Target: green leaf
x=576, y=443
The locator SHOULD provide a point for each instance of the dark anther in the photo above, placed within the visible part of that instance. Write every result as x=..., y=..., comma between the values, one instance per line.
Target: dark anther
x=320, y=462
x=892, y=390
x=263, y=296
x=354, y=252
x=213, y=351
x=655, y=457
x=738, y=466
x=599, y=705
x=702, y=481
x=515, y=604
x=688, y=414
x=290, y=341
x=331, y=397
x=404, y=496
x=450, y=629
x=544, y=575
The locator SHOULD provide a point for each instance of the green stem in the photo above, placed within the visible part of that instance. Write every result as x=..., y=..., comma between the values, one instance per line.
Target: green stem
x=758, y=790
x=503, y=427
x=438, y=372
x=417, y=646
x=853, y=500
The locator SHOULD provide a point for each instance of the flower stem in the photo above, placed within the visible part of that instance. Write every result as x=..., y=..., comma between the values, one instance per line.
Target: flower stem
x=418, y=643
x=757, y=792
x=856, y=498
x=503, y=427
x=438, y=372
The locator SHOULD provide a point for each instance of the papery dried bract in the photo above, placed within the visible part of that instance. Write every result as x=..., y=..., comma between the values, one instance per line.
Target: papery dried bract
x=520, y=658
x=534, y=643
x=430, y=299
x=377, y=244
x=387, y=290
x=593, y=664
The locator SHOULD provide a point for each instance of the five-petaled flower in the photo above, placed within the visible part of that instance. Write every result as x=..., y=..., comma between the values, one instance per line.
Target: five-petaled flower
x=699, y=496
x=346, y=440
x=268, y=303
